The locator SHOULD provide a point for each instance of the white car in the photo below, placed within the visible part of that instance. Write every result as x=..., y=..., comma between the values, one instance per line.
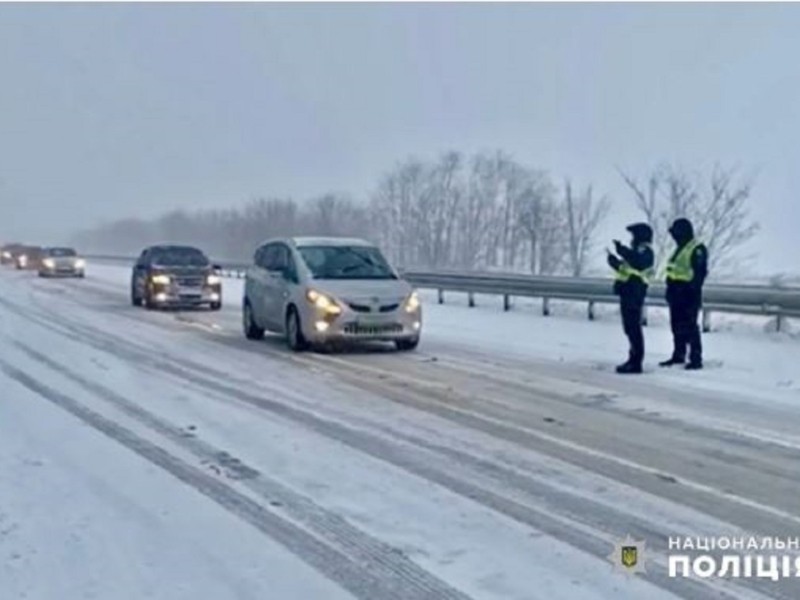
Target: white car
x=61, y=262
x=320, y=290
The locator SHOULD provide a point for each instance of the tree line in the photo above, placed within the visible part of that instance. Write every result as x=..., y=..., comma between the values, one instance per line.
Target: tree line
x=481, y=212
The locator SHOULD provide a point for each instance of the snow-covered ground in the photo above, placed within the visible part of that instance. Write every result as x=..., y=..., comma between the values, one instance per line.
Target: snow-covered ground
x=161, y=455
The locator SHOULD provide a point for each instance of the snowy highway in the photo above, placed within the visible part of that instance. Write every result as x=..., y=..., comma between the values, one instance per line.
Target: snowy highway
x=162, y=455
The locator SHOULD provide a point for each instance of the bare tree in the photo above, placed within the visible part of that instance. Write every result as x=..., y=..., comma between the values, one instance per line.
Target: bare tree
x=440, y=213
x=716, y=204
x=724, y=222
x=540, y=221
x=334, y=214
x=584, y=216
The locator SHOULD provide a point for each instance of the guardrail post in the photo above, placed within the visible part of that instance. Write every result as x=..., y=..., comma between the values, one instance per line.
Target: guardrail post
x=706, y=320
x=440, y=296
x=471, y=299
x=546, y=307
x=644, y=316
x=590, y=310
x=778, y=322
x=506, y=302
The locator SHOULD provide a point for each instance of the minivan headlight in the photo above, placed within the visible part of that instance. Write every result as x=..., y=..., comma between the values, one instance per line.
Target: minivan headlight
x=412, y=302
x=323, y=302
x=213, y=279
x=49, y=263
x=160, y=279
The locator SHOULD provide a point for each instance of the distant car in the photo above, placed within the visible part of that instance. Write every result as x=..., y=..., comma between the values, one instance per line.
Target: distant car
x=320, y=290
x=9, y=253
x=177, y=276
x=63, y=262
x=29, y=258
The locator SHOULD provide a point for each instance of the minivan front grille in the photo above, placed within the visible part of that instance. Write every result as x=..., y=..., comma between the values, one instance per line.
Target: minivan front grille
x=362, y=308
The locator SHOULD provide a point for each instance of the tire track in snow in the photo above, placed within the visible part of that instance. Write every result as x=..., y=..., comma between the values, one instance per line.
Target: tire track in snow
x=350, y=575
x=402, y=574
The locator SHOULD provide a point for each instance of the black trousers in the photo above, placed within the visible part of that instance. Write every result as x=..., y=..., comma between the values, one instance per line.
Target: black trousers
x=684, y=312
x=631, y=311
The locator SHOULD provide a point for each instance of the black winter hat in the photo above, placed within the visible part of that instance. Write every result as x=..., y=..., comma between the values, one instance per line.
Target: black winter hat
x=642, y=232
x=682, y=229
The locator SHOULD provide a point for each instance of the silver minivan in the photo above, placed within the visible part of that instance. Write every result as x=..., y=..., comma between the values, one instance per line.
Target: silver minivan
x=320, y=290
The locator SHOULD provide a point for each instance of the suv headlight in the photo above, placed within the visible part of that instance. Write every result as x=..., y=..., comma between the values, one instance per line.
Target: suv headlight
x=213, y=280
x=49, y=263
x=413, y=303
x=323, y=302
x=160, y=279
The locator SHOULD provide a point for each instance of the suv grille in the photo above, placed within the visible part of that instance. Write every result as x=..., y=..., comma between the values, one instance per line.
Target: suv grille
x=192, y=281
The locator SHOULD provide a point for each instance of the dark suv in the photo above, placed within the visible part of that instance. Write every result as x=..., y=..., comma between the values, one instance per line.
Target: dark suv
x=169, y=275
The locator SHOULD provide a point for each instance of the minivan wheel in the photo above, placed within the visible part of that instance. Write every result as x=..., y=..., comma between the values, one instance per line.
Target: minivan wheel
x=406, y=345
x=251, y=330
x=215, y=305
x=294, y=332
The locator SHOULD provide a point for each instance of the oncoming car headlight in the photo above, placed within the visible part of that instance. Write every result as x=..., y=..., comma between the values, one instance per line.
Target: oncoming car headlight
x=413, y=303
x=160, y=279
x=49, y=263
x=213, y=280
x=80, y=263
x=323, y=302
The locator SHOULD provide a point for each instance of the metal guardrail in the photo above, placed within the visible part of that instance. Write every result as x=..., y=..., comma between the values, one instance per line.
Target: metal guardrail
x=779, y=302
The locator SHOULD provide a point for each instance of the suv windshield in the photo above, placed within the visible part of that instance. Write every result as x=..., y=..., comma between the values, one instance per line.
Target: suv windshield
x=346, y=262
x=61, y=252
x=179, y=257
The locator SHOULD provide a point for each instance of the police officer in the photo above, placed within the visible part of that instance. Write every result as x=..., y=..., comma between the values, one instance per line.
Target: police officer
x=686, y=272
x=634, y=269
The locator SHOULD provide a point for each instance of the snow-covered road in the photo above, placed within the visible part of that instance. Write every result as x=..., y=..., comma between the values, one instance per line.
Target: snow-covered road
x=162, y=455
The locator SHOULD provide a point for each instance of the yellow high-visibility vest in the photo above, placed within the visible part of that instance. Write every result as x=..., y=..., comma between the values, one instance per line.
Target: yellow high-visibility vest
x=679, y=267
x=625, y=272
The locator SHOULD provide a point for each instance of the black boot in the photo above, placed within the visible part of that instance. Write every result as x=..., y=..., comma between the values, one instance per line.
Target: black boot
x=629, y=368
x=671, y=362
x=694, y=365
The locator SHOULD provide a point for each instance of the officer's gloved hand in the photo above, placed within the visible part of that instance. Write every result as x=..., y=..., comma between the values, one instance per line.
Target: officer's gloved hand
x=619, y=246
x=614, y=262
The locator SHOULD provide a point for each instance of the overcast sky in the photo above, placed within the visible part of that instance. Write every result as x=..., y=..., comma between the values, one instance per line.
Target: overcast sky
x=122, y=110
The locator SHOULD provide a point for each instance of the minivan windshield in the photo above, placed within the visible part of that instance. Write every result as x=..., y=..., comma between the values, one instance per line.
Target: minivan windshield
x=179, y=257
x=61, y=252
x=346, y=262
